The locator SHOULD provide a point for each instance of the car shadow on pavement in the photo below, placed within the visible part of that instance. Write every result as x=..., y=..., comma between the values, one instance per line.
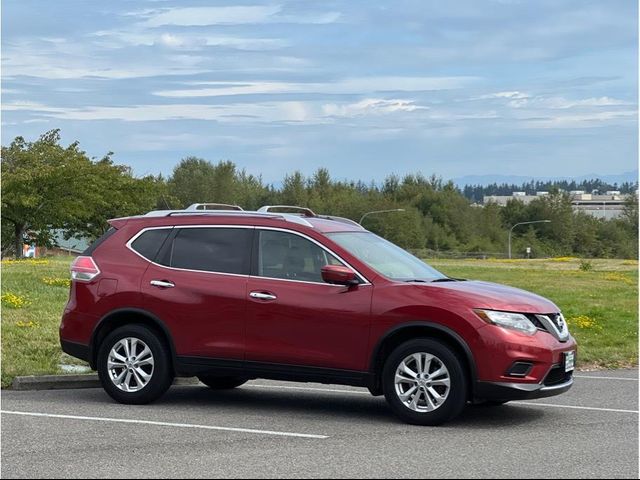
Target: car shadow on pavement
x=334, y=406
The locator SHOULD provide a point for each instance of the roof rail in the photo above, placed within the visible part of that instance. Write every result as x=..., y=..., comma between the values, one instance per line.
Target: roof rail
x=214, y=206
x=307, y=212
x=348, y=221
x=231, y=213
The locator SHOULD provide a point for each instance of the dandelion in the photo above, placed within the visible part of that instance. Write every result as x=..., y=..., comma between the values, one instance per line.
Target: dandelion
x=56, y=282
x=584, y=322
x=619, y=277
x=29, y=324
x=12, y=300
x=25, y=261
x=563, y=259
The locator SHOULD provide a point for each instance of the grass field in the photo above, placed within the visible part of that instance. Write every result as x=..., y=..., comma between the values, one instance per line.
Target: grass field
x=601, y=306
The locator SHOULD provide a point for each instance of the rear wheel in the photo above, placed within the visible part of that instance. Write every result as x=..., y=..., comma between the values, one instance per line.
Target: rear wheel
x=134, y=366
x=424, y=382
x=222, y=383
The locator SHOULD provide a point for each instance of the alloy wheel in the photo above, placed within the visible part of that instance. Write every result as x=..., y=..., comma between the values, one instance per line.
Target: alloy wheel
x=130, y=364
x=422, y=382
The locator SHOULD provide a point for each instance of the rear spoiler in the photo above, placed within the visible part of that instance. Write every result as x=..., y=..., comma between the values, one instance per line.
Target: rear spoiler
x=118, y=223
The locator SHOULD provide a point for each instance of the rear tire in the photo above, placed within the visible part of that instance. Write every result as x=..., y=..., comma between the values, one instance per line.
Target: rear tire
x=221, y=383
x=134, y=365
x=425, y=382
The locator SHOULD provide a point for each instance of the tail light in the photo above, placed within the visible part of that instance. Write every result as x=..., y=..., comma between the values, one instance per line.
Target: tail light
x=84, y=269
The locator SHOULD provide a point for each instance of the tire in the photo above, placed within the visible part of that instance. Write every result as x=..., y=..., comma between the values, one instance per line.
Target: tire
x=153, y=365
x=425, y=411
x=222, y=383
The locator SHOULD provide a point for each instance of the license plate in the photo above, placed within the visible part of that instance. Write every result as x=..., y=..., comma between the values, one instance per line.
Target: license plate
x=569, y=361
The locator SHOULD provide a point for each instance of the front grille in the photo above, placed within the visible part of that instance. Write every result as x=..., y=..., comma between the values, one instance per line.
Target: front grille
x=556, y=376
x=557, y=320
x=539, y=325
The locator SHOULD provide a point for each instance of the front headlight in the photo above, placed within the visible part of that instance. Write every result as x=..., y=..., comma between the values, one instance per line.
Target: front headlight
x=513, y=321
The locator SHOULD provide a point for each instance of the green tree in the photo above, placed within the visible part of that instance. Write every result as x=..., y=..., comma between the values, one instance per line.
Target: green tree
x=193, y=181
x=46, y=186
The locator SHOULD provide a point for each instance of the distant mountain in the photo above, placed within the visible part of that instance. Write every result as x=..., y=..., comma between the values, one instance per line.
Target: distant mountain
x=489, y=179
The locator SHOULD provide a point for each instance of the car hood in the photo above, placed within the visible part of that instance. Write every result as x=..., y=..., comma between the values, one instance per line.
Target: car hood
x=494, y=296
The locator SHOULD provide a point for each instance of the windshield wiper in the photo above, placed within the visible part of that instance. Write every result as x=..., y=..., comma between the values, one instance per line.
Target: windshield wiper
x=444, y=279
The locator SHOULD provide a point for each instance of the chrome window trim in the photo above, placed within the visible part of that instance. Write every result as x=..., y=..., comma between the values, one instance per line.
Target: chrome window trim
x=171, y=227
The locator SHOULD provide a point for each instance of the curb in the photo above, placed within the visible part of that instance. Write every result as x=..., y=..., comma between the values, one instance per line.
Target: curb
x=69, y=382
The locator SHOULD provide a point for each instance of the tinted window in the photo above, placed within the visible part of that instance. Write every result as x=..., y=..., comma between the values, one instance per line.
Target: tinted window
x=99, y=241
x=150, y=242
x=224, y=250
x=288, y=256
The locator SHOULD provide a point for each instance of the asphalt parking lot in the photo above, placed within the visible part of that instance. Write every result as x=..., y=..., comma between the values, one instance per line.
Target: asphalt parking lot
x=277, y=429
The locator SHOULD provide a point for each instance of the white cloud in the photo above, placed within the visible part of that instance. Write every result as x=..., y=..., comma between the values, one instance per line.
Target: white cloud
x=233, y=113
x=230, y=15
x=370, y=106
x=563, y=103
x=584, y=120
x=114, y=39
x=517, y=99
x=358, y=85
x=202, y=16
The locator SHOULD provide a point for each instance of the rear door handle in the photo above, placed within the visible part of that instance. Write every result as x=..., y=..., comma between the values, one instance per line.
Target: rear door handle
x=162, y=283
x=263, y=296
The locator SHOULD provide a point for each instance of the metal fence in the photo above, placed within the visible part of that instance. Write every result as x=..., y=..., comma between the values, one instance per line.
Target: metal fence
x=449, y=254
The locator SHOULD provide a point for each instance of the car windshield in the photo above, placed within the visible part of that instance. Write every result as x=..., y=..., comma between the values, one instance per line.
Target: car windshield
x=385, y=257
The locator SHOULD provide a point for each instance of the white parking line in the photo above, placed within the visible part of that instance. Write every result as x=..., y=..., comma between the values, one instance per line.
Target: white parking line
x=575, y=407
x=165, y=424
x=593, y=377
x=335, y=390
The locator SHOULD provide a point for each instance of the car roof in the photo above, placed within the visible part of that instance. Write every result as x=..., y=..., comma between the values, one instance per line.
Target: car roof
x=265, y=216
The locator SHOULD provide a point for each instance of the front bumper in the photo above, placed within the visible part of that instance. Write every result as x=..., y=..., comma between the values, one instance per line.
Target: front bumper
x=506, y=391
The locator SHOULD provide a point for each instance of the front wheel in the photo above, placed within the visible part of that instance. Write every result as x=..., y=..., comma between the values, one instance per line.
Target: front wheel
x=424, y=382
x=134, y=365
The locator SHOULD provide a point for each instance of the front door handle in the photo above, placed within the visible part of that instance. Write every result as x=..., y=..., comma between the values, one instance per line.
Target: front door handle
x=263, y=296
x=162, y=283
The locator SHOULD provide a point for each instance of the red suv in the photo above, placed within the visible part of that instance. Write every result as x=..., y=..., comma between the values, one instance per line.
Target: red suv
x=229, y=295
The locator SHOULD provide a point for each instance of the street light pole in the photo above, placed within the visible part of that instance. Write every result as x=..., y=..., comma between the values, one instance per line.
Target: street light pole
x=523, y=223
x=379, y=211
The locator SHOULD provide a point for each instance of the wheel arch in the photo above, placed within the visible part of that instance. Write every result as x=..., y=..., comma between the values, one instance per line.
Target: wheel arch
x=419, y=329
x=127, y=316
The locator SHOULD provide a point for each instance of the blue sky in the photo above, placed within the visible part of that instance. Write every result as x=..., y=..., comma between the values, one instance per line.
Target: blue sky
x=365, y=88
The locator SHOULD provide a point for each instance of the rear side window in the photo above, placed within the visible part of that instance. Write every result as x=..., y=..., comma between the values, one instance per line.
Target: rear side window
x=222, y=250
x=98, y=242
x=149, y=243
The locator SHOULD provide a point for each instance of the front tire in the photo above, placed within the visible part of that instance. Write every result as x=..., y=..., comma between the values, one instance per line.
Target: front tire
x=424, y=382
x=134, y=365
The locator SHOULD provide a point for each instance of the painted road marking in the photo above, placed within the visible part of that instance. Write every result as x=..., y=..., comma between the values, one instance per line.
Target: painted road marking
x=553, y=405
x=593, y=377
x=575, y=407
x=165, y=424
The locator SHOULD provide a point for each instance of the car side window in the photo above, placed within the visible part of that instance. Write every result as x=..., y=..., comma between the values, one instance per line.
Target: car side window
x=221, y=250
x=149, y=242
x=288, y=256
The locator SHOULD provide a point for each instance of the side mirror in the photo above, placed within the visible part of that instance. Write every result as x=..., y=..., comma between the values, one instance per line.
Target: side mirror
x=339, y=275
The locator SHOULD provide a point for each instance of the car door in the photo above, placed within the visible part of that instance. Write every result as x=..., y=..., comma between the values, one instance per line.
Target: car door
x=198, y=287
x=295, y=318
